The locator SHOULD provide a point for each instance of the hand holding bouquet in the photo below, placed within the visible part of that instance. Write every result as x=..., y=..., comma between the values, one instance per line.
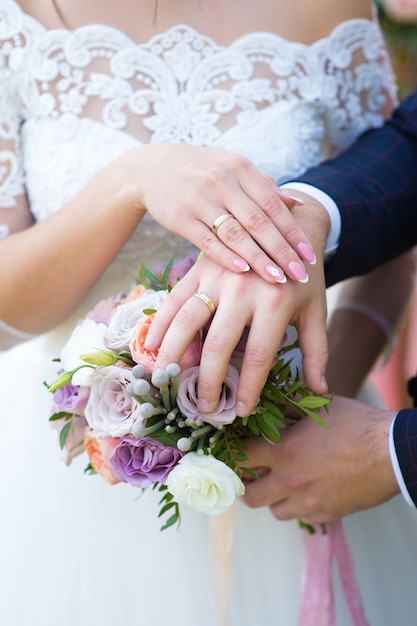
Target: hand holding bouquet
x=142, y=426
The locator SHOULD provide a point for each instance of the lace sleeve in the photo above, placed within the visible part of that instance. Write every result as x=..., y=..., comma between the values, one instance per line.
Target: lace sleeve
x=361, y=89
x=14, y=211
x=11, y=171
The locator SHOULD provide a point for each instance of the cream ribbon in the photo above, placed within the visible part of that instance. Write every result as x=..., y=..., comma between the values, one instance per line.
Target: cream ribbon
x=220, y=546
x=317, y=599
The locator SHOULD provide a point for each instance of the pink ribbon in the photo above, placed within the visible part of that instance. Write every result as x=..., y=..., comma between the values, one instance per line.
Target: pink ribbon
x=317, y=598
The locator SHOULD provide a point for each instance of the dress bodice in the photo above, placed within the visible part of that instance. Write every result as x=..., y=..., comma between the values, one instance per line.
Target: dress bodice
x=74, y=101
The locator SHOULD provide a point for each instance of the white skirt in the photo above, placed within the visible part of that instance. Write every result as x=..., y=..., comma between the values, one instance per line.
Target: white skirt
x=75, y=551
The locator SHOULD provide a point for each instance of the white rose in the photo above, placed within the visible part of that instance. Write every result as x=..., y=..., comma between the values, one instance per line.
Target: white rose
x=204, y=483
x=123, y=322
x=86, y=337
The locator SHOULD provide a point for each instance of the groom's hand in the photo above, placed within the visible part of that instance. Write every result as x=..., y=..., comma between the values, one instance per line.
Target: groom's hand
x=321, y=474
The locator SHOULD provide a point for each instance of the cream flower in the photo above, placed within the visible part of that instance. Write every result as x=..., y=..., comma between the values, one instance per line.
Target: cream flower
x=86, y=337
x=204, y=483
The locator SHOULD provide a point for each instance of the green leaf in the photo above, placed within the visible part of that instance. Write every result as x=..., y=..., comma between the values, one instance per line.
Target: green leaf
x=166, y=508
x=174, y=519
x=248, y=470
x=59, y=416
x=90, y=470
x=313, y=402
x=166, y=274
x=64, y=434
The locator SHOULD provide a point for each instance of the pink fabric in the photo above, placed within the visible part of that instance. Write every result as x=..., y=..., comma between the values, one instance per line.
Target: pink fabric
x=317, y=598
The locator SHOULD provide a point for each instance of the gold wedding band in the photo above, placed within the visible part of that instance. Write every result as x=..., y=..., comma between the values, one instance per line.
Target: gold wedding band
x=207, y=301
x=219, y=221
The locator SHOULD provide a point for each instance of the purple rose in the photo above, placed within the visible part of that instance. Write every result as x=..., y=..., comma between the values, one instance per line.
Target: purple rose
x=142, y=462
x=187, y=397
x=181, y=267
x=71, y=399
x=103, y=310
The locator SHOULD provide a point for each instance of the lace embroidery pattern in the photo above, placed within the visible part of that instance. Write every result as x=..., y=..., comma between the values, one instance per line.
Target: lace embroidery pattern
x=182, y=86
x=94, y=93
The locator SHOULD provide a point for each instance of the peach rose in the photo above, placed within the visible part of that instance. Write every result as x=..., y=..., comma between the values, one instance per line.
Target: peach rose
x=98, y=451
x=136, y=292
x=140, y=354
x=147, y=358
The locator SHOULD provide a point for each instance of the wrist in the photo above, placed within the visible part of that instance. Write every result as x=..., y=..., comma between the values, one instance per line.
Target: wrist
x=315, y=197
x=126, y=171
x=384, y=478
x=313, y=219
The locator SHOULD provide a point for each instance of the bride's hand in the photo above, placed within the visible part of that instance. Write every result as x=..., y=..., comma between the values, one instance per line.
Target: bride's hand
x=223, y=205
x=239, y=302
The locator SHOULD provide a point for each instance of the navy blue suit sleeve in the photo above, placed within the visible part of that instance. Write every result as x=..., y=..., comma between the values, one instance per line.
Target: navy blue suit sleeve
x=405, y=441
x=374, y=184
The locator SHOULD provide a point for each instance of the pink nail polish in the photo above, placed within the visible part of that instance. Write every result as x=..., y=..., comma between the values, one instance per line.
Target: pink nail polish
x=298, y=272
x=150, y=341
x=306, y=253
x=241, y=265
x=276, y=274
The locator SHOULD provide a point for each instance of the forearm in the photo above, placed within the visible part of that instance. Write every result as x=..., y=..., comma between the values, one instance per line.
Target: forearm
x=46, y=270
x=364, y=320
x=373, y=184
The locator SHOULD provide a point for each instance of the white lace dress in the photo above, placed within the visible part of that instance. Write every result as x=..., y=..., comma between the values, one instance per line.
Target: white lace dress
x=75, y=551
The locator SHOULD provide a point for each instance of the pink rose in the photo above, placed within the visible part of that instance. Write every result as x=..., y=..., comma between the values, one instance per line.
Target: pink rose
x=401, y=10
x=74, y=440
x=103, y=311
x=110, y=409
x=225, y=412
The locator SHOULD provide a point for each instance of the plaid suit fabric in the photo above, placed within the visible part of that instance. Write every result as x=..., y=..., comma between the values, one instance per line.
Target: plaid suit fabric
x=374, y=184
x=405, y=441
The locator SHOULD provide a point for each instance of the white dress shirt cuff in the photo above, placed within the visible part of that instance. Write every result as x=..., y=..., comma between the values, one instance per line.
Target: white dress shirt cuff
x=396, y=466
x=332, y=209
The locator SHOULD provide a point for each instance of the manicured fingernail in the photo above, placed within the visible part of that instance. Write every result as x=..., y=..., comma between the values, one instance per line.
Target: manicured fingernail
x=306, y=252
x=150, y=341
x=298, y=201
x=241, y=265
x=241, y=409
x=276, y=274
x=204, y=406
x=298, y=272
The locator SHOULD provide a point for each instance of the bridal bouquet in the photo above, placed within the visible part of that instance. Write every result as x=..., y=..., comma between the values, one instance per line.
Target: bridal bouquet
x=141, y=425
